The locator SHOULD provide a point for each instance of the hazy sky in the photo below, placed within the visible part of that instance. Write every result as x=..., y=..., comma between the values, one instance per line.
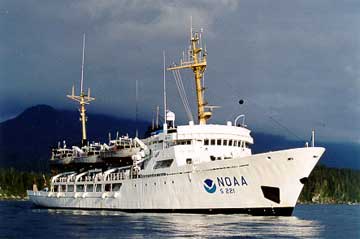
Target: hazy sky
x=293, y=62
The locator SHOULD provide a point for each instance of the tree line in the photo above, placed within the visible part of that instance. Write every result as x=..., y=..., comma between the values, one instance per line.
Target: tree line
x=332, y=185
x=13, y=183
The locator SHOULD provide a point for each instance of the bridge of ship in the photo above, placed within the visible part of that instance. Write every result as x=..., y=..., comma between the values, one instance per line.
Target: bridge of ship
x=193, y=144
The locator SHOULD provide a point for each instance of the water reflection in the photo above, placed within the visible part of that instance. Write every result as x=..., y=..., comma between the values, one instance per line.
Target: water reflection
x=116, y=223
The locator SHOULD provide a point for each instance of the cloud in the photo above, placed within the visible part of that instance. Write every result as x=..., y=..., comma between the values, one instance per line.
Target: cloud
x=295, y=61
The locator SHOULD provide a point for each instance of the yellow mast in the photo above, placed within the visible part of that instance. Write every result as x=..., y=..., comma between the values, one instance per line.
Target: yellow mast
x=83, y=99
x=197, y=63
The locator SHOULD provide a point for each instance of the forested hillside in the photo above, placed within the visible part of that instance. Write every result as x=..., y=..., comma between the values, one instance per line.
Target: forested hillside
x=332, y=185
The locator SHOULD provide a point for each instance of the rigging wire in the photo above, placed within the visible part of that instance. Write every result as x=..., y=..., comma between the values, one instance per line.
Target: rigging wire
x=182, y=93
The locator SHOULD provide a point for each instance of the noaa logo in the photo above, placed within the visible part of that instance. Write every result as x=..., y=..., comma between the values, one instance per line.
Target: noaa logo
x=209, y=186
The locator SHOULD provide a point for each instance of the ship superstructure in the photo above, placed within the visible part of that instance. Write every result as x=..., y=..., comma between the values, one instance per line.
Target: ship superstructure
x=197, y=168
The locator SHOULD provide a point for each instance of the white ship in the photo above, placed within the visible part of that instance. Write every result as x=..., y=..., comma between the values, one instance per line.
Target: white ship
x=195, y=168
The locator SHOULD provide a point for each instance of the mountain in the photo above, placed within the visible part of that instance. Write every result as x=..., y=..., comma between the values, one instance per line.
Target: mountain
x=26, y=140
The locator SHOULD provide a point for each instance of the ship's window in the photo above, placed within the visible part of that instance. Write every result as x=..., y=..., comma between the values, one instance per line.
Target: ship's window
x=188, y=161
x=163, y=163
x=235, y=143
x=206, y=142
x=107, y=187
x=188, y=141
x=70, y=188
x=63, y=188
x=218, y=158
x=89, y=188
x=98, y=188
x=230, y=142
x=225, y=142
x=212, y=157
x=218, y=142
x=56, y=188
x=80, y=188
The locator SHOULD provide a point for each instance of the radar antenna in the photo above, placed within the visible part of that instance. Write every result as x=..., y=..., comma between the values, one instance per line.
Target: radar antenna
x=83, y=99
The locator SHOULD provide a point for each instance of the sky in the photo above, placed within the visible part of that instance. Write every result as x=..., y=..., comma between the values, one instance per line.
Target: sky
x=296, y=64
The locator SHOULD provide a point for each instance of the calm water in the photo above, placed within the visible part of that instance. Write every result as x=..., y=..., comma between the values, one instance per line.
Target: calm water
x=20, y=220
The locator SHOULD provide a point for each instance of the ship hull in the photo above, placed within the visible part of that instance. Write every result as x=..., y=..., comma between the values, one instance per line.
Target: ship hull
x=261, y=184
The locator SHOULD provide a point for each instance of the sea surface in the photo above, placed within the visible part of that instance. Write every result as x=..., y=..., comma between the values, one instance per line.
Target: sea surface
x=18, y=219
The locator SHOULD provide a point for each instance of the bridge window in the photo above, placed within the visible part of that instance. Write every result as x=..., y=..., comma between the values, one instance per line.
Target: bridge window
x=230, y=142
x=206, y=142
x=239, y=144
x=183, y=142
x=56, y=188
x=63, y=188
x=218, y=142
x=235, y=143
x=225, y=142
x=188, y=161
x=213, y=142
